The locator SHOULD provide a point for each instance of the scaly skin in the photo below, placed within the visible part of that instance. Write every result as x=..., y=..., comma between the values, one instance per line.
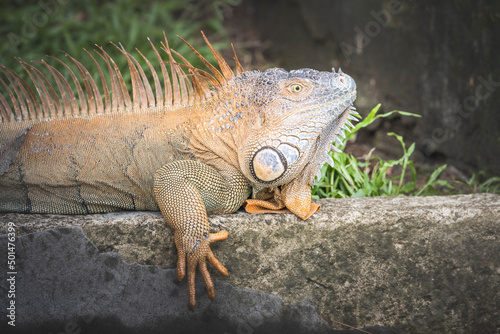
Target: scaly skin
x=187, y=148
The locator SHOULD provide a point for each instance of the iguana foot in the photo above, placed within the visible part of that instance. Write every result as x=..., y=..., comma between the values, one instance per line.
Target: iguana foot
x=197, y=255
x=293, y=197
x=261, y=206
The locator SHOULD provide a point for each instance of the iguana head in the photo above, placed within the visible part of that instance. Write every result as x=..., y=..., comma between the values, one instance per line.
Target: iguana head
x=298, y=115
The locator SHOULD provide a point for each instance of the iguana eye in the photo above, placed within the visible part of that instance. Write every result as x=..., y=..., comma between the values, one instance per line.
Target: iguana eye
x=296, y=88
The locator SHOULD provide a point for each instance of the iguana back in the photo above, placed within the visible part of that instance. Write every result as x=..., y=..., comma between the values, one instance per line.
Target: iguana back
x=79, y=154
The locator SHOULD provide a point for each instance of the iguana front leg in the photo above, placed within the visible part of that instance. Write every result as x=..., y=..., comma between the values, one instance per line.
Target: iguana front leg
x=185, y=191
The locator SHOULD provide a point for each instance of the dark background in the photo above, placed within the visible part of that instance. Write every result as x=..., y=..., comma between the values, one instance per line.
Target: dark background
x=436, y=59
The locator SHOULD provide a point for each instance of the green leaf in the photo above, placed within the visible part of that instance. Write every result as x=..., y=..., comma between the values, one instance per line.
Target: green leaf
x=350, y=177
x=431, y=180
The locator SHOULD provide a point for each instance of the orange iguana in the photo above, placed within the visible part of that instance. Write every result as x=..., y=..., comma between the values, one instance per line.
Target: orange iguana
x=188, y=145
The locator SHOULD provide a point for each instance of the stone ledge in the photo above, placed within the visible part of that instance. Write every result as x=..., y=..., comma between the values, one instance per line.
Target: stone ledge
x=423, y=265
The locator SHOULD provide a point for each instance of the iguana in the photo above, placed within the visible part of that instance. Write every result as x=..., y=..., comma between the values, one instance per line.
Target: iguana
x=188, y=144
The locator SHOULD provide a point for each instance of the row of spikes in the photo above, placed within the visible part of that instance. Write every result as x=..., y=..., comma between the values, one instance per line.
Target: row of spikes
x=353, y=116
x=178, y=88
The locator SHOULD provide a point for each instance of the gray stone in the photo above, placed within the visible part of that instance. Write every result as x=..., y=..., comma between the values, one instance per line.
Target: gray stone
x=64, y=284
x=421, y=264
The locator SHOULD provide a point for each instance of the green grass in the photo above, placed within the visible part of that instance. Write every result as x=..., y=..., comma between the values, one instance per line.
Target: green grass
x=479, y=183
x=352, y=178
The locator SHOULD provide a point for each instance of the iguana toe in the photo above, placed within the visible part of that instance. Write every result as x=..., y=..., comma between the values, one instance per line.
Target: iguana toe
x=197, y=257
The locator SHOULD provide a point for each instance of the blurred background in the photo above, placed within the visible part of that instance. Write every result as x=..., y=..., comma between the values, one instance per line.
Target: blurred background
x=435, y=59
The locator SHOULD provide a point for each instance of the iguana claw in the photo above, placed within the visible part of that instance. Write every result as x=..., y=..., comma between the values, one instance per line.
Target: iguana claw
x=197, y=257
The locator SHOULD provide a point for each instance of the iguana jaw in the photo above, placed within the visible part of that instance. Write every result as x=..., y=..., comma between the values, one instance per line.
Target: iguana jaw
x=295, y=196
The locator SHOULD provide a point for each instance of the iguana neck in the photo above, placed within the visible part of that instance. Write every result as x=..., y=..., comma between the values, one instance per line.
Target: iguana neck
x=222, y=123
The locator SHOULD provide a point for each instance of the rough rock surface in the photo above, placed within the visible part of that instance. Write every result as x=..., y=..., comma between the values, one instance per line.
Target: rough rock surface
x=421, y=265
